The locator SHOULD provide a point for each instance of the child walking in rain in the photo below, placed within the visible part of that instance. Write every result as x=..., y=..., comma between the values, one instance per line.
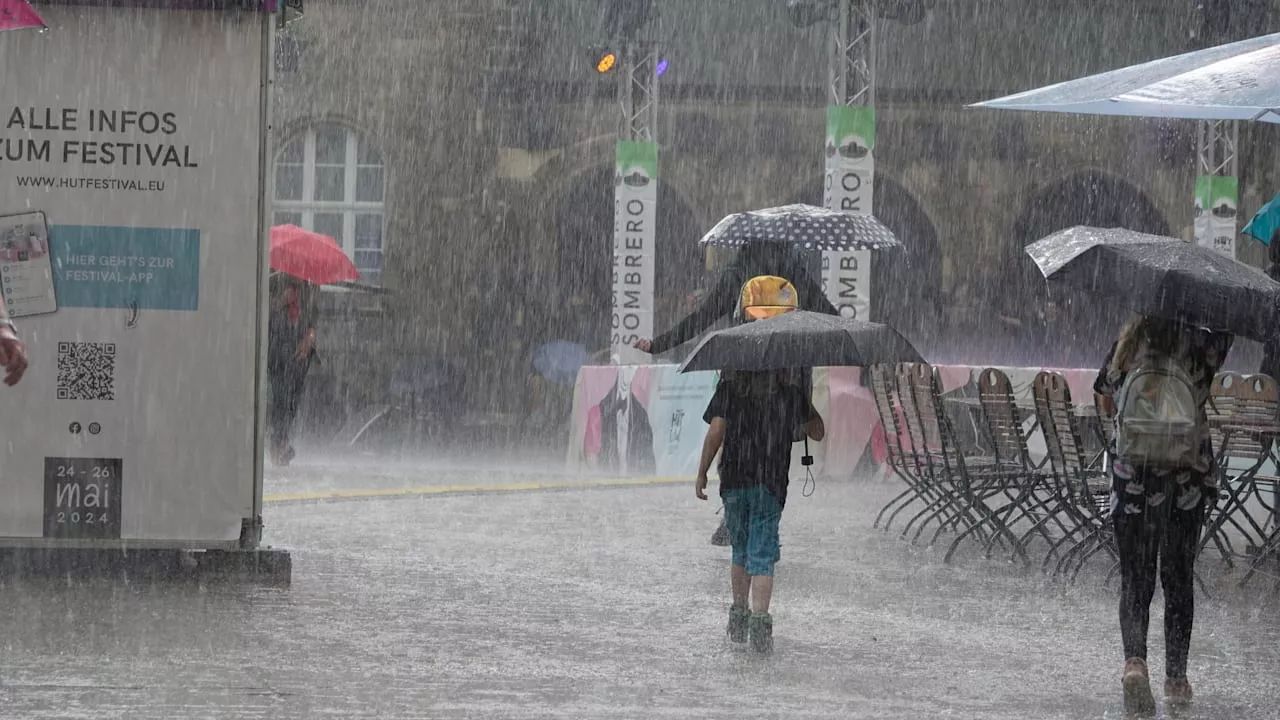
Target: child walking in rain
x=752, y=418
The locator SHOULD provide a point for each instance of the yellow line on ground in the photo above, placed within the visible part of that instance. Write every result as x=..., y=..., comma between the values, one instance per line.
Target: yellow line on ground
x=375, y=493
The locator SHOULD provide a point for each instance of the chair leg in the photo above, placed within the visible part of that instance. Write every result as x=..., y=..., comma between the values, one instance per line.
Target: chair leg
x=924, y=496
x=1055, y=545
x=1068, y=558
x=926, y=511
x=905, y=494
x=1115, y=569
x=1085, y=560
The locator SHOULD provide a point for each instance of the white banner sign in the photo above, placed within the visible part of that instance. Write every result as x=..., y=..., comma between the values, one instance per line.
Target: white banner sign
x=634, y=256
x=137, y=134
x=850, y=172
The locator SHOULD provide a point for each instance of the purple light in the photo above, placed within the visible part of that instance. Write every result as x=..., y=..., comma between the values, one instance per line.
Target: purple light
x=662, y=67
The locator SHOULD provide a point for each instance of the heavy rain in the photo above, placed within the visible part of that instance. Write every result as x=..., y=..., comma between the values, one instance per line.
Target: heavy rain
x=480, y=358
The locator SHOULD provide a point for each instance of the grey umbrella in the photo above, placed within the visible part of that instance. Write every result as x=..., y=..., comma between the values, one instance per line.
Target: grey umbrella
x=801, y=339
x=807, y=226
x=1163, y=276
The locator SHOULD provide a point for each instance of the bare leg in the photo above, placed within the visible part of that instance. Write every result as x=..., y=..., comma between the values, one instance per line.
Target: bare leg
x=741, y=582
x=761, y=592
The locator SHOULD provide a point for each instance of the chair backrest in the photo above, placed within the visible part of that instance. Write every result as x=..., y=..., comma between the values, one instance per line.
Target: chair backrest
x=939, y=438
x=915, y=447
x=1062, y=437
x=1222, y=404
x=1257, y=400
x=884, y=390
x=1001, y=417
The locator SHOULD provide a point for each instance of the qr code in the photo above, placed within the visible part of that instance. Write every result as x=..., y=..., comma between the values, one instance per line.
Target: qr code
x=86, y=371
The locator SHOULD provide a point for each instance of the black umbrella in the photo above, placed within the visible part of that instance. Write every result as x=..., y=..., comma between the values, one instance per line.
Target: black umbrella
x=1162, y=276
x=808, y=226
x=801, y=339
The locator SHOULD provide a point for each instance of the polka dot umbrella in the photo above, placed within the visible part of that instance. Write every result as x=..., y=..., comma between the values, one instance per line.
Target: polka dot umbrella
x=806, y=226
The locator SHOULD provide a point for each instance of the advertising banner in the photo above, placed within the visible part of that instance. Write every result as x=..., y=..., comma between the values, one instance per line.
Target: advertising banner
x=1216, y=202
x=850, y=172
x=634, y=256
x=130, y=190
x=677, y=403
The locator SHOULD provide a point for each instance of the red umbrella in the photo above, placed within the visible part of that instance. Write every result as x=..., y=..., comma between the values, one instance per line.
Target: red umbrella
x=309, y=256
x=17, y=14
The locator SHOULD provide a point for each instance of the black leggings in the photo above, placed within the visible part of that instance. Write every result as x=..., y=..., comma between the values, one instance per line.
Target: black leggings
x=288, y=377
x=1157, y=520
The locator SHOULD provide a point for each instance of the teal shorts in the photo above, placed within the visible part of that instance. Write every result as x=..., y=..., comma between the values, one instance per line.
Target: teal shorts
x=752, y=516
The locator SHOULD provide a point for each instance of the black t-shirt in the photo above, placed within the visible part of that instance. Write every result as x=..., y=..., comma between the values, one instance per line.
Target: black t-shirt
x=758, y=436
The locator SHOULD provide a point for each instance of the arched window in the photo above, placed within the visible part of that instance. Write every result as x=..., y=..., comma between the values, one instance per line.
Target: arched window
x=331, y=179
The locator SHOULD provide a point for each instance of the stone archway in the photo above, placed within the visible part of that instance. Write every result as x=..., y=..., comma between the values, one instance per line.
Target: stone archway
x=583, y=235
x=907, y=286
x=1065, y=327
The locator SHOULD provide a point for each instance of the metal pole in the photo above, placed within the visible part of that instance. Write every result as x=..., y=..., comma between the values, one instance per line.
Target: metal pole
x=251, y=527
x=850, y=164
x=639, y=91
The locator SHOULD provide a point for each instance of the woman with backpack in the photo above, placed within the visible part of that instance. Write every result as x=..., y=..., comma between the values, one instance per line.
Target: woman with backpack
x=1156, y=381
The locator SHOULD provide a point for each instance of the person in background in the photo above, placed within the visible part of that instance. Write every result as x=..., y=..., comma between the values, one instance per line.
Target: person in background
x=13, y=353
x=1157, y=512
x=756, y=258
x=752, y=419
x=291, y=345
x=1271, y=348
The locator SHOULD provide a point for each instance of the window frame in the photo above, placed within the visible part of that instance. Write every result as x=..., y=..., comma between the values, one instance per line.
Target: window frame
x=307, y=208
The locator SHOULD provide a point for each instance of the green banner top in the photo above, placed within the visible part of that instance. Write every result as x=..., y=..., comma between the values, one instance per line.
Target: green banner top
x=637, y=156
x=854, y=124
x=1215, y=190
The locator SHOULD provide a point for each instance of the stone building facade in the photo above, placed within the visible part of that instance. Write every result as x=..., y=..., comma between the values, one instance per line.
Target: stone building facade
x=482, y=140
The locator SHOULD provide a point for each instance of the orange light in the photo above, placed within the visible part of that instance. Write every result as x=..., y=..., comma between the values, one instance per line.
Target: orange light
x=606, y=63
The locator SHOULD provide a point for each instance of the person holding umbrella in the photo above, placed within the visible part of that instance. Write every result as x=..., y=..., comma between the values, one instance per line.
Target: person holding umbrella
x=756, y=258
x=1190, y=303
x=1161, y=486
x=301, y=261
x=774, y=242
x=291, y=346
x=751, y=423
x=752, y=419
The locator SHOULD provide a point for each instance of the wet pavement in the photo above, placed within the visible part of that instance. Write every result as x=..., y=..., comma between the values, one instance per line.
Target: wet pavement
x=599, y=602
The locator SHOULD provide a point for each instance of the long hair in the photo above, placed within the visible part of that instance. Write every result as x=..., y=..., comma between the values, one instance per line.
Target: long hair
x=1156, y=334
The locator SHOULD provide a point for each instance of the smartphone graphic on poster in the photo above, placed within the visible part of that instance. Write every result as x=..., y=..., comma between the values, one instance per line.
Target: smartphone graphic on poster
x=26, y=270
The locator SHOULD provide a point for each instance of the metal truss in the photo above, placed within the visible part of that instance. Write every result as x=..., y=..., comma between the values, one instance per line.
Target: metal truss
x=1216, y=147
x=852, y=54
x=638, y=95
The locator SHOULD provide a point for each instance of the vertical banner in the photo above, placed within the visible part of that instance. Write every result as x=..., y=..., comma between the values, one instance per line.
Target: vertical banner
x=634, y=259
x=850, y=172
x=132, y=245
x=1215, y=222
